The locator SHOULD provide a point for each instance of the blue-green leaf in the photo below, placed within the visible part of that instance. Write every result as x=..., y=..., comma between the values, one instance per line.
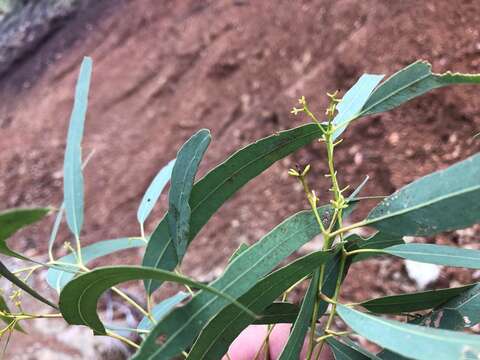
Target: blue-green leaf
x=296, y=339
x=7, y=274
x=353, y=101
x=13, y=220
x=219, y=333
x=415, y=341
x=359, y=188
x=462, y=311
x=444, y=200
x=220, y=184
x=379, y=240
x=182, y=325
x=57, y=278
x=437, y=254
x=153, y=192
x=404, y=303
x=59, y=217
x=79, y=298
x=410, y=82
x=73, y=176
x=183, y=176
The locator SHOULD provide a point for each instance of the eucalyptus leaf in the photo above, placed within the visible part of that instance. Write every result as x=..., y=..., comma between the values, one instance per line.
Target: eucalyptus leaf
x=462, y=311
x=13, y=220
x=359, y=188
x=72, y=173
x=57, y=278
x=220, y=184
x=396, y=304
x=79, y=298
x=7, y=274
x=353, y=101
x=444, y=200
x=437, y=254
x=182, y=325
x=218, y=334
x=295, y=341
x=379, y=240
x=410, y=82
x=154, y=191
x=61, y=211
x=412, y=340
x=183, y=176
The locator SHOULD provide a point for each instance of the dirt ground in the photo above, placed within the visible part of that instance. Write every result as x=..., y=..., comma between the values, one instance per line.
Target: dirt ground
x=163, y=70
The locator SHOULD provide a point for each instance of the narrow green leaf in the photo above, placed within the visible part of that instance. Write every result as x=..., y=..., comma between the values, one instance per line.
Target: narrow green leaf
x=183, y=324
x=219, y=333
x=161, y=309
x=437, y=254
x=59, y=217
x=463, y=311
x=410, y=340
x=353, y=101
x=241, y=248
x=78, y=299
x=405, y=303
x=295, y=341
x=332, y=272
x=275, y=313
x=72, y=173
x=183, y=176
x=354, y=194
x=13, y=220
x=19, y=283
x=57, y=278
x=222, y=183
x=154, y=191
x=342, y=351
x=444, y=200
x=379, y=240
x=410, y=82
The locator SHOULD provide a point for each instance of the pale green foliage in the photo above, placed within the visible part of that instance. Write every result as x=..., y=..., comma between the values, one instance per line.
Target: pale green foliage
x=252, y=289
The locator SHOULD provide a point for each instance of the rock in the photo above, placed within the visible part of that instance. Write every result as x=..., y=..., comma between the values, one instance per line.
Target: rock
x=24, y=28
x=422, y=274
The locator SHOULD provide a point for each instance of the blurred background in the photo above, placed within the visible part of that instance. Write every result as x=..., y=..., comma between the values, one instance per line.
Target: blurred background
x=164, y=69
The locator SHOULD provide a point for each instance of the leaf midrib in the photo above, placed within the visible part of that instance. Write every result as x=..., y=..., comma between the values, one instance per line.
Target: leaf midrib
x=237, y=316
x=406, y=328
x=392, y=94
x=214, y=190
x=410, y=252
x=198, y=150
x=422, y=205
x=232, y=283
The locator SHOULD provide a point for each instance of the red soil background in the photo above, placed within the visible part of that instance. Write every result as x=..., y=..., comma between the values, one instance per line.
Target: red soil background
x=164, y=69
